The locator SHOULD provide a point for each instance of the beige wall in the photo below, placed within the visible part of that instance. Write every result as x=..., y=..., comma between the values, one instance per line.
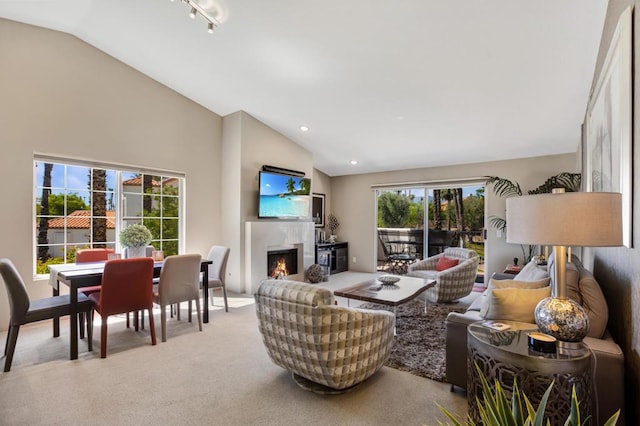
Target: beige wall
x=61, y=96
x=248, y=144
x=353, y=202
x=618, y=269
x=321, y=183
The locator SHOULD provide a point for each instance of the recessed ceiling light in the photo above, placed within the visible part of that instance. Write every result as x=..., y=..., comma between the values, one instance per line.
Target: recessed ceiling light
x=304, y=128
x=353, y=162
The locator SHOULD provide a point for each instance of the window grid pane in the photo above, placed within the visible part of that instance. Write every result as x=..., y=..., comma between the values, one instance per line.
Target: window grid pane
x=82, y=209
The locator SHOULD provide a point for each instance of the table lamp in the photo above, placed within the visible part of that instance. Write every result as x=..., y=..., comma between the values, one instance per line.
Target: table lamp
x=561, y=219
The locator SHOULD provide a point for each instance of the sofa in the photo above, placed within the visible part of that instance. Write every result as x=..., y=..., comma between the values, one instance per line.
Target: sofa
x=453, y=282
x=582, y=287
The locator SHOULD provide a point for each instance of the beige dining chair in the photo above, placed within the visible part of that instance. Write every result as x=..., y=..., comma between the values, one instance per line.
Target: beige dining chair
x=179, y=282
x=218, y=270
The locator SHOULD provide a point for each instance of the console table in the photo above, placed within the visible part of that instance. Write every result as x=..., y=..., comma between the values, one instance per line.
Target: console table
x=505, y=356
x=337, y=256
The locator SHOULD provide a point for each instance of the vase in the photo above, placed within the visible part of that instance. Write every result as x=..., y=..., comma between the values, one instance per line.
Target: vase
x=139, y=251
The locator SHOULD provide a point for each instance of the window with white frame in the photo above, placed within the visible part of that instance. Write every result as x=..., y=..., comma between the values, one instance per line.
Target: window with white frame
x=85, y=206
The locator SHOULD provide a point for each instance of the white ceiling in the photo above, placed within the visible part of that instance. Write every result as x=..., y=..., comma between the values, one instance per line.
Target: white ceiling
x=394, y=84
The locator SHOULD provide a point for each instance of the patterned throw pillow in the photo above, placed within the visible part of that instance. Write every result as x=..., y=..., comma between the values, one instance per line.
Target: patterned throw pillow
x=445, y=263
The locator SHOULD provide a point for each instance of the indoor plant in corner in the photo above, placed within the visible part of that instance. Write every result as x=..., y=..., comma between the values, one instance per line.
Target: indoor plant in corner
x=135, y=238
x=502, y=187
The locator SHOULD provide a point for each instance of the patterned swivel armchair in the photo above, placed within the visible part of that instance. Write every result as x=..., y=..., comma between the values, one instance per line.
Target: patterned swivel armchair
x=452, y=283
x=306, y=333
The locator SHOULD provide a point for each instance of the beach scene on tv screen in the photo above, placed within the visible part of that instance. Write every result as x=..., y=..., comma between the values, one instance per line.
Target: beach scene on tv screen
x=284, y=196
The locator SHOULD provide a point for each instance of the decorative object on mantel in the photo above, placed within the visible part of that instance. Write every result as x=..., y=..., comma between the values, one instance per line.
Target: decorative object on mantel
x=135, y=238
x=314, y=274
x=332, y=224
x=585, y=219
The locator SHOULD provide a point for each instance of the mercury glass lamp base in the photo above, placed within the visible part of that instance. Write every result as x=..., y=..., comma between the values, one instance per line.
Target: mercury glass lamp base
x=563, y=319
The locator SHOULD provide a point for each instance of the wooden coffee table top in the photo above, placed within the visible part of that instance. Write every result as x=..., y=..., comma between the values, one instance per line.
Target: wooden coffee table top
x=401, y=292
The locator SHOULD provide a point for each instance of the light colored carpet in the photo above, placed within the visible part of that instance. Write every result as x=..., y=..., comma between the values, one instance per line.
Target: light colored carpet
x=220, y=376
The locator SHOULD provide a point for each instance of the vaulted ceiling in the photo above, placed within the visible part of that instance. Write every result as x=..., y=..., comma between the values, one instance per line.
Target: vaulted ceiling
x=393, y=84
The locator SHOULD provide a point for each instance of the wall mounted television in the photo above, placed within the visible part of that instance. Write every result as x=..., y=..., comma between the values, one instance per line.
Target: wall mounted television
x=283, y=196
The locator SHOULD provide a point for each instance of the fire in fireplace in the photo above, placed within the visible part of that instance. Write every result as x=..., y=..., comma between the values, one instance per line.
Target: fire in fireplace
x=281, y=263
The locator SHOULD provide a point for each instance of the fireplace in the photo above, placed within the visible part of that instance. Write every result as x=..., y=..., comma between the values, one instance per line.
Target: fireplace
x=275, y=235
x=282, y=263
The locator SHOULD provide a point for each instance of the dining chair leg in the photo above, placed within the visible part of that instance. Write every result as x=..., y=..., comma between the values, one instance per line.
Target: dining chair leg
x=12, y=335
x=152, y=326
x=199, y=313
x=135, y=320
x=90, y=330
x=6, y=343
x=103, y=336
x=81, y=324
x=224, y=291
x=163, y=322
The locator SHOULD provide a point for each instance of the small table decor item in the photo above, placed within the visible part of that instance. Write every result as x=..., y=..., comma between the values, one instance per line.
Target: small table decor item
x=541, y=342
x=135, y=238
x=388, y=279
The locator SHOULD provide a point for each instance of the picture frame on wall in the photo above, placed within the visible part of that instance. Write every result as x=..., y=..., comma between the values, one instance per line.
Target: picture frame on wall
x=607, y=139
x=317, y=209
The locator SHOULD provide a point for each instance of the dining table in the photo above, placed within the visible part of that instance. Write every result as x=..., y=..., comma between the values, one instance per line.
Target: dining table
x=79, y=275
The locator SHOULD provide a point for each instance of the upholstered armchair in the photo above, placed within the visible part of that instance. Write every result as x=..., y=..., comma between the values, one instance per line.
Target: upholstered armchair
x=329, y=345
x=451, y=283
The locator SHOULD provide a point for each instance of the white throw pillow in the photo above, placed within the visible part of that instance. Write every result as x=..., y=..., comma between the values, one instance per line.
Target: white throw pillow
x=514, y=304
x=531, y=272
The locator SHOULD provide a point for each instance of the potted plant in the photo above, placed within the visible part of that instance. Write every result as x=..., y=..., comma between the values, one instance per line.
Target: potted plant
x=135, y=239
x=506, y=188
x=495, y=409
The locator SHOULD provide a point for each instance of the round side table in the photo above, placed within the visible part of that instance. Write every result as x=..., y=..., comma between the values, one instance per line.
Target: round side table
x=505, y=356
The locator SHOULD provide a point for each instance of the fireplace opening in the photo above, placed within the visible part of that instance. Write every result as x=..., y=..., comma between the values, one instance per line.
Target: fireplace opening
x=281, y=263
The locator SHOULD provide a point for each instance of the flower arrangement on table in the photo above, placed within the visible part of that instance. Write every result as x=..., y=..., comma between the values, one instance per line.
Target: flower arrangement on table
x=135, y=235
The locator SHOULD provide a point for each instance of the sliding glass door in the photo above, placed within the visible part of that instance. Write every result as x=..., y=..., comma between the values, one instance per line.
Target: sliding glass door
x=451, y=216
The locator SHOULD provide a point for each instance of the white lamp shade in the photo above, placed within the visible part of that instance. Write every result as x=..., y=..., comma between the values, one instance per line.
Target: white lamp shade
x=586, y=219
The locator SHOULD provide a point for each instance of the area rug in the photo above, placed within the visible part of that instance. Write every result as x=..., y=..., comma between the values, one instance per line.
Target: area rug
x=420, y=340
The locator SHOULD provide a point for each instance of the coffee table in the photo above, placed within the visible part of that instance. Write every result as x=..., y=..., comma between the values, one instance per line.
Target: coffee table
x=406, y=289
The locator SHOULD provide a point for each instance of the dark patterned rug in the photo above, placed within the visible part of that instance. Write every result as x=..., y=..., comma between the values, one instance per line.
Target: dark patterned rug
x=420, y=341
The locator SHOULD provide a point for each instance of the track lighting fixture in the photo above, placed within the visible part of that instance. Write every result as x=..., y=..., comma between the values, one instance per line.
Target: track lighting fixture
x=197, y=9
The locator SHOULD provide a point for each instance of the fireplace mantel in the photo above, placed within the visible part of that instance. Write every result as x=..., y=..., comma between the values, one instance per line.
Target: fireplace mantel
x=262, y=236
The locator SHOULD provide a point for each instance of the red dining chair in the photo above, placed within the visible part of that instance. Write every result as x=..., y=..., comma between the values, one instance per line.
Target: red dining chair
x=126, y=287
x=86, y=256
x=93, y=255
